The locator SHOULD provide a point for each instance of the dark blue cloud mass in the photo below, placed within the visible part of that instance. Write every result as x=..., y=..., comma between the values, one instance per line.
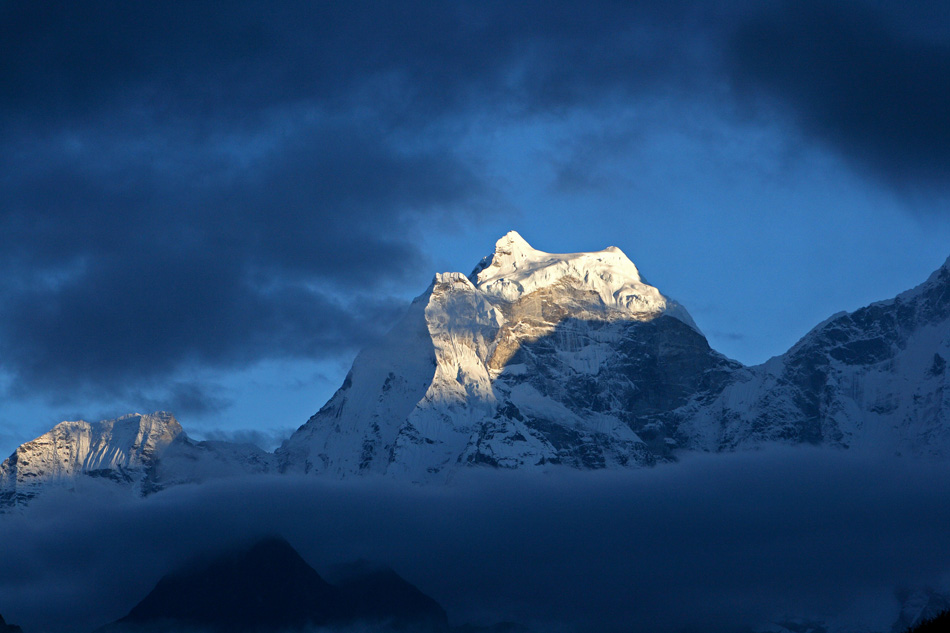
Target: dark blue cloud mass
x=870, y=79
x=182, y=185
x=722, y=543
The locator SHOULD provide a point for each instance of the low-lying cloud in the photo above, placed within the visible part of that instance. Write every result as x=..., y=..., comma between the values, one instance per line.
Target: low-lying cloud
x=267, y=440
x=715, y=543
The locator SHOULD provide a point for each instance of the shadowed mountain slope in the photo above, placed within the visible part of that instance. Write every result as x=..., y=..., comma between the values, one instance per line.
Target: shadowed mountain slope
x=268, y=587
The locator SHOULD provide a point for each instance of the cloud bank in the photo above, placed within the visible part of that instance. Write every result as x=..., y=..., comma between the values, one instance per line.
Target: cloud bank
x=715, y=543
x=187, y=188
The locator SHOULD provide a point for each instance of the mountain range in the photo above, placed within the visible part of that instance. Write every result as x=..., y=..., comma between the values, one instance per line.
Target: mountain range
x=539, y=361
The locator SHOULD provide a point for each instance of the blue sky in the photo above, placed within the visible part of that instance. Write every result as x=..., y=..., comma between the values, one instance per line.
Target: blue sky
x=212, y=213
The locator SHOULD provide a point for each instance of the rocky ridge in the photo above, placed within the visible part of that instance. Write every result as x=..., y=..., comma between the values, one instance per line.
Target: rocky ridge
x=538, y=360
x=874, y=379
x=534, y=359
x=143, y=453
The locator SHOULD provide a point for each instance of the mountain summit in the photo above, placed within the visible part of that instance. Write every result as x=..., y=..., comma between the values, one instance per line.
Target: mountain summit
x=515, y=270
x=539, y=359
x=535, y=358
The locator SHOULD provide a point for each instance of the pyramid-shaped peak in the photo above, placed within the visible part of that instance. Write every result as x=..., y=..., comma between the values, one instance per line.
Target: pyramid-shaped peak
x=512, y=242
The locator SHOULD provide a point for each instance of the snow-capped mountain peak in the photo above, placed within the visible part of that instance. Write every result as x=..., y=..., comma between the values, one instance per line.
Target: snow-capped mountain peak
x=515, y=270
x=145, y=453
x=510, y=367
x=119, y=449
x=539, y=359
x=516, y=260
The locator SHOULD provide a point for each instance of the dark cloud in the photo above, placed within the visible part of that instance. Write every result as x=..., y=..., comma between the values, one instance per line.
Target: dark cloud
x=116, y=272
x=186, y=186
x=587, y=160
x=714, y=543
x=183, y=58
x=870, y=79
x=267, y=439
x=186, y=398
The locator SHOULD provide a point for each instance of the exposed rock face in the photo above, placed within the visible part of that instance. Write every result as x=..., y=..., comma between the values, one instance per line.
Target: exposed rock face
x=539, y=359
x=121, y=450
x=573, y=359
x=145, y=453
x=534, y=359
x=872, y=379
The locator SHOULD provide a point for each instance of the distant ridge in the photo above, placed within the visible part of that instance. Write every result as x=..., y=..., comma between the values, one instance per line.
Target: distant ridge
x=538, y=361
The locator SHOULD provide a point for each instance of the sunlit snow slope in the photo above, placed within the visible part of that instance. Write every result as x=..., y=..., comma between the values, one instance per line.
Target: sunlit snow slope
x=144, y=453
x=875, y=379
x=539, y=359
x=534, y=359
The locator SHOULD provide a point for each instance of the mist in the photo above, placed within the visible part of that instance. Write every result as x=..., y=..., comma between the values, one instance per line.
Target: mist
x=713, y=543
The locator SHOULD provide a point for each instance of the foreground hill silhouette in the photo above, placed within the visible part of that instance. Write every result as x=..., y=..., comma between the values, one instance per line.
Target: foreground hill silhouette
x=8, y=628
x=939, y=624
x=269, y=588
